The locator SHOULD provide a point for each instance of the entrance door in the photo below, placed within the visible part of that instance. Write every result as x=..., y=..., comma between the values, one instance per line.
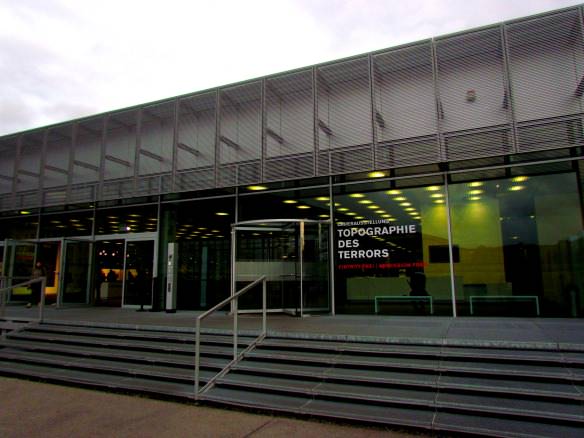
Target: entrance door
x=125, y=266
x=76, y=271
x=293, y=254
x=138, y=273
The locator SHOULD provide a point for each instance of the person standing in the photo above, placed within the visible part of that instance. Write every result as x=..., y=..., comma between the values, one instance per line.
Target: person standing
x=35, y=288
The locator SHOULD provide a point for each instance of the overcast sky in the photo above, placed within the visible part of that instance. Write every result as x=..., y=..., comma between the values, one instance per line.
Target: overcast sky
x=63, y=59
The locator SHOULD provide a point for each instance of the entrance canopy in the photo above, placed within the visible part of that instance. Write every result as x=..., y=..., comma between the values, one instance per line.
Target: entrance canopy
x=294, y=254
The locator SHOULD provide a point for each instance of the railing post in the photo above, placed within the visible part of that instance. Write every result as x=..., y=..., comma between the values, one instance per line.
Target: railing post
x=197, y=357
x=235, y=312
x=264, y=307
x=42, y=304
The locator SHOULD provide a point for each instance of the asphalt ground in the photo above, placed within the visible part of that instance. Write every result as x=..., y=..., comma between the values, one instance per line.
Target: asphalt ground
x=41, y=410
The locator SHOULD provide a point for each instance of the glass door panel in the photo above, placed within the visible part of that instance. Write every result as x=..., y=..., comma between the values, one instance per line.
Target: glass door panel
x=76, y=271
x=315, y=267
x=109, y=272
x=18, y=266
x=138, y=273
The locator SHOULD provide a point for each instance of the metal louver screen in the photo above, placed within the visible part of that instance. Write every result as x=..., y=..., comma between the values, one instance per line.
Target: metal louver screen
x=345, y=161
x=196, y=132
x=239, y=174
x=405, y=102
x=149, y=185
x=28, y=199
x=82, y=193
x=546, y=66
x=240, y=133
x=344, y=105
x=195, y=180
x=480, y=144
x=300, y=166
x=289, y=130
x=472, y=91
x=55, y=196
x=156, y=139
x=120, y=145
x=118, y=189
x=408, y=153
x=561, y=134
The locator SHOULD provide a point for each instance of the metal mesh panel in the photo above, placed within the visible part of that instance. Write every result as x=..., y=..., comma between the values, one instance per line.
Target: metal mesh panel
x=552, y=135
x=479, y=144
x=59, y=143
x=196, y=132
x=8, y=147
x=120, y=145
x=471, y=81
x=198, y=179
x=408, y=153
x=166, y=183
x=55, y=196
x=547, y=66
x=344, y=105
x=289, y=115
x=87, y=151
x=240, y=133
x=28, y=172
x=82, y=193
x=300, y=166
x=405, y=99
x=156, y=139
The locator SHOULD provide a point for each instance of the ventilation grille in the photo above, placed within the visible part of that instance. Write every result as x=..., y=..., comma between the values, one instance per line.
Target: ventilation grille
x=552, y=135
x=409, y=153
x=301, y=166
x=476, y=145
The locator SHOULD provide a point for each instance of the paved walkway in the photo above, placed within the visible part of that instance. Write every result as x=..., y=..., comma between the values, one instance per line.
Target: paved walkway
x=521, y=332
x=31, y=410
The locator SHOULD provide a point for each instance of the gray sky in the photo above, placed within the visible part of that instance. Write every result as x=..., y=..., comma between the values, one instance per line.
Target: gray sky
x=63, y=59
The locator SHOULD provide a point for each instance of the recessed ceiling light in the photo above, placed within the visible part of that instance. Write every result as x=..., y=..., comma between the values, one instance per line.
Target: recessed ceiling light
x=476, y=184
x=394, y=192
x=356, y=195
x=221, y=213
x=405, y=204
x=436, y=195
x=519, y=179
x=433, y=188
x=365, y=201
x=343, y=209
x=400, y=198
x=257, y=188
x=373, y=207
x=409, y=209
x=516, y=188
x=324, y=216
x=439, y=201
x=476, y=192
x=322, y=198
x=475, y=198
x=303, y=207
x=290, y=201
x=376, y=174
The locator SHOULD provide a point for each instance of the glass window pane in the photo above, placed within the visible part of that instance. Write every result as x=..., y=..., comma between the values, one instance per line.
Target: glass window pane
x=520, y=245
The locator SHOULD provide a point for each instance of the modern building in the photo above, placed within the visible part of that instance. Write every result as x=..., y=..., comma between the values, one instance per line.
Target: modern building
x=442, y=177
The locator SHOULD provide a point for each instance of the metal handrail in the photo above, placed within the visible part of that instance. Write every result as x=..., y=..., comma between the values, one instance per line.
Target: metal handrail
x=5, y=290
x=236, y=357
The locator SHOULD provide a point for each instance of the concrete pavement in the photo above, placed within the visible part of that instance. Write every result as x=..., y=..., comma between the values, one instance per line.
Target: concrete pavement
x=41, y=410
